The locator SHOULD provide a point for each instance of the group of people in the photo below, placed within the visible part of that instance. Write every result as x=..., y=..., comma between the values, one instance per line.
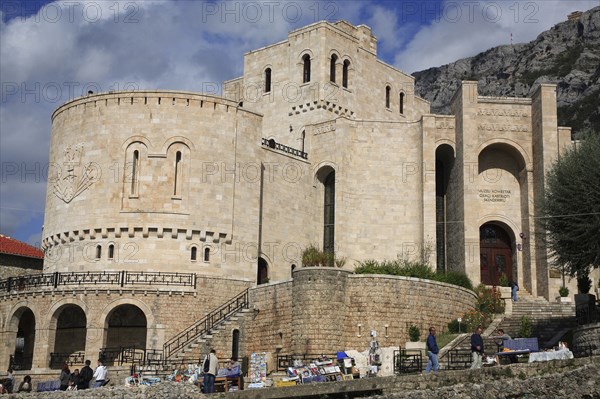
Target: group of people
x=477, y=348
x=7, y=385
x=80, y=379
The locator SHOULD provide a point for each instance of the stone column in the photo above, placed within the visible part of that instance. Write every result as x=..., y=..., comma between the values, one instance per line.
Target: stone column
x=545, y=151
x=428, y=235
x=318, y=309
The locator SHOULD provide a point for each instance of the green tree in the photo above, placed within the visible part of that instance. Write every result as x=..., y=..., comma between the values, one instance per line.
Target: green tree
x=572, y=208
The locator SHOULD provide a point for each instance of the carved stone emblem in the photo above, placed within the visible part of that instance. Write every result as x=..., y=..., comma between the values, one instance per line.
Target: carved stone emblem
x=73, y=178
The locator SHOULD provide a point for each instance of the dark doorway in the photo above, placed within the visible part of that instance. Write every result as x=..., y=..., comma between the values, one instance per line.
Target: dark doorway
x=262, y=275
x=23, y=355
x=126, y=327
x=495, y=253
x=235, y=344
x=70, y=330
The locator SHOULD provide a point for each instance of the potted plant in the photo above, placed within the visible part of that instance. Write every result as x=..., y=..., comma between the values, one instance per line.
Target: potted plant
x=414, y=334
x=564, y=295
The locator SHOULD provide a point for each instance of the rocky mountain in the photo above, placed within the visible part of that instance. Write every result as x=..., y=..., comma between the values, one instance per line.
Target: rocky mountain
x=568, y=54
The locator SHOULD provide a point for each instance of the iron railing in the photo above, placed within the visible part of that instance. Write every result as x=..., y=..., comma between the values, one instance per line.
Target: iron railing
x=459, y=359
x=284, y=148
x=20, y=362
x=587, y=313
x=285, y=361
x=58, y=360
x=408, y=361
x=118, y=278
x=206, y=324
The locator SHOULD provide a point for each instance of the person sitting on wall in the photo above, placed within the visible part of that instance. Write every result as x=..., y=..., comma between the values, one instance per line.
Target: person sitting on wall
x=25, y=385
x=500, y=337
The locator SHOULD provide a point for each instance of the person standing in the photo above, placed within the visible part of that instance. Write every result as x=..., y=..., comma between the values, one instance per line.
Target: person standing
x=100, y=374
x=86, y=374
x=210, y=368
x=65, y=374
x=432, y=352
x=514, y=287
x=477, y=348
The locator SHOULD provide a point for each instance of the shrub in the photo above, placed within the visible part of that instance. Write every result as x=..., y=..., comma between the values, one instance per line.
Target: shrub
x=563, y=292
x=414, y=333
x=456, y=278
x=474, y=318
x=525, y=329
x=488, y=300
x=312, y=256
x=503, y=282
x=407, y=268
x=584, y=284
x=453, y=326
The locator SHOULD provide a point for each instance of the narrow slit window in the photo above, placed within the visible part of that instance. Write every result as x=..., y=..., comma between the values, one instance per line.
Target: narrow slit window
x=206, y=254
x=268, y=80
x=135, y=166
x=193, y=253
x=98, y=251
x=306, y=69
x=332, y=67
x=345, y=74
x=388, y=90
x=401, y=103
x=177, y=186
x=111, y=252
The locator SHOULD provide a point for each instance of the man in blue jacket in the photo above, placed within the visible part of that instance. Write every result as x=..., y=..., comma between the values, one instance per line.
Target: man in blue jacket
x=477, y=348
x=432, y=352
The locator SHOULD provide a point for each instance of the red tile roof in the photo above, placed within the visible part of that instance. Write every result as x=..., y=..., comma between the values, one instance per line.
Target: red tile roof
x=11, y=246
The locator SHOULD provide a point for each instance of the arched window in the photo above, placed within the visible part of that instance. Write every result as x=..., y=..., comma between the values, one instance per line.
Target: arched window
x=194, y=254
x=401, y=103
x=268, y=80
x=206, y=254
x=177, y=183
x=332, y=67
x=111, y=252
x=98, y=251
x=388, y=90
x=345, y=73
x=329, y=213
x=135, y=163
x=306, y=68
x=262, y=273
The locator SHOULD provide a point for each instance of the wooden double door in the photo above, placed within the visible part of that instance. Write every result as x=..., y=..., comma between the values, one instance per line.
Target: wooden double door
x=495, y=252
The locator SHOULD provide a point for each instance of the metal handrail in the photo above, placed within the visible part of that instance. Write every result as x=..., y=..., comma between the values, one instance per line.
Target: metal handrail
x=206, y=324
x=121, y=278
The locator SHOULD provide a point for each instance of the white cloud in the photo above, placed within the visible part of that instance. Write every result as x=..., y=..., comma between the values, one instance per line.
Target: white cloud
x=467, y=28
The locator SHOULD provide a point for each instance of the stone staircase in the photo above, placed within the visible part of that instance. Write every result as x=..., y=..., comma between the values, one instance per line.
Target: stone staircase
x=202, y=344
x=192, y=342
x=549, y=321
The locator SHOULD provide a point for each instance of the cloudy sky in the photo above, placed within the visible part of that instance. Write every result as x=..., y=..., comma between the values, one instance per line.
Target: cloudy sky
x=51, y=52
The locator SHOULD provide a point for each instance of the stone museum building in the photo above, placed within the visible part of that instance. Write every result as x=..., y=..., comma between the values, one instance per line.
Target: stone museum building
x=177, y=220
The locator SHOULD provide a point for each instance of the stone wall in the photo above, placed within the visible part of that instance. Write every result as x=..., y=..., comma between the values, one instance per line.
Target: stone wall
x=587, y=337
x=14, y=266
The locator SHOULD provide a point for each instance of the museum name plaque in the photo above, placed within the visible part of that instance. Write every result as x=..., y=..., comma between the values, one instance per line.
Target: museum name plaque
x=494, y=195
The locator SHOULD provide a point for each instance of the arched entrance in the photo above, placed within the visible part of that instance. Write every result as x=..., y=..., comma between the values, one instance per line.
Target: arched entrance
x=126, y=327
x=262, y=274
x=70, y=336
x=496, y=253
x=22, y=358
